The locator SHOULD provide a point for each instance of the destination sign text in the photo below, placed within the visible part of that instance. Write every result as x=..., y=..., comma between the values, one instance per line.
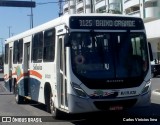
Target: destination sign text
x=106, y=23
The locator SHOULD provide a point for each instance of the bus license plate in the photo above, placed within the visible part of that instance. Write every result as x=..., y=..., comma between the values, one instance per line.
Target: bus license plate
x=115, y=108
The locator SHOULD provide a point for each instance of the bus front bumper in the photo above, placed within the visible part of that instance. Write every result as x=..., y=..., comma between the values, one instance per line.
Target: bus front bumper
x=81, y=105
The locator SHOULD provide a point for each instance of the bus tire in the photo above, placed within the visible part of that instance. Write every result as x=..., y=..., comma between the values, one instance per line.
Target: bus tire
x=56, y=113
x=47, y=98
x=19, y=99
x=50, y=108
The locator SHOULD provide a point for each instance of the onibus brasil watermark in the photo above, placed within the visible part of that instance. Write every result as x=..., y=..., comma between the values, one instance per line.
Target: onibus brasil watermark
x=21, y=119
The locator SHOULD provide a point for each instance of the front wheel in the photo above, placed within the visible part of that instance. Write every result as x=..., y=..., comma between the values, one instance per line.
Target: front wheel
x=56, y=113
x=50, y=107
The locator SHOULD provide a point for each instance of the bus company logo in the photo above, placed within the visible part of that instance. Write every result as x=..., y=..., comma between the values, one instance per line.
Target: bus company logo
x=115, y=81
x=37, y=67
x=104, y=94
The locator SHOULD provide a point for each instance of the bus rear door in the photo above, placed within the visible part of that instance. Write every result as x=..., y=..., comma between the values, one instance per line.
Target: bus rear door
x=10, y=69
x=26, y=68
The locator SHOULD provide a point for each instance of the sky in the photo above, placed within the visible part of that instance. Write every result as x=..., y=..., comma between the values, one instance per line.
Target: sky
x=16, y=19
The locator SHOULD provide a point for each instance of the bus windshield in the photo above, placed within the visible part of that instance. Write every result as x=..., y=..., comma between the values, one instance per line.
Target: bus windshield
x=100, y=55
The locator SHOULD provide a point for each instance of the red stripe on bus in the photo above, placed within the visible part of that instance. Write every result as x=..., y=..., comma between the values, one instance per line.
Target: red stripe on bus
x=35, y=73
x=31, y=72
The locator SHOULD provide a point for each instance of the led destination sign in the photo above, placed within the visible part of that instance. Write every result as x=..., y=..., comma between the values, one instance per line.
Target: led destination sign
x=106, y=23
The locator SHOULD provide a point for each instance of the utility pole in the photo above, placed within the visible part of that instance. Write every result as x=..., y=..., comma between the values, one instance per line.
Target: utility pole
x=14, y=3
x=9, y=27
x=31, y=16
x=60, y=7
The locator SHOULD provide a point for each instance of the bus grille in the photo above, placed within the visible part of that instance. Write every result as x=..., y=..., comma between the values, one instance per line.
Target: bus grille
x=105, y=105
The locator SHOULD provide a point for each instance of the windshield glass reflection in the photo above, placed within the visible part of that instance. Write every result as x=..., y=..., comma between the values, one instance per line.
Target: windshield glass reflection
x=108, y=55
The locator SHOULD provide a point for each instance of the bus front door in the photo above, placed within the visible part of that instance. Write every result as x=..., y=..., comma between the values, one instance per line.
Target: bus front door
x=63, y=78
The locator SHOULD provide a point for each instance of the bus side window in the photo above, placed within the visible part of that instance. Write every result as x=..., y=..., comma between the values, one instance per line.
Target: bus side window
x=20, y=51
x=6, y=53
x=49, y=45
x=37, y=46
x=15, y=52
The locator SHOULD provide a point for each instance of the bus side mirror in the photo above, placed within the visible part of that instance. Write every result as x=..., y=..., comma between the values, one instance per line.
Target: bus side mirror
x=150, y=51
x=66, y=39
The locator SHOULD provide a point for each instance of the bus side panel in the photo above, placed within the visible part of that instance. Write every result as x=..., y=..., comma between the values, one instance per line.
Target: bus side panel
x=29, y=87
x=48, y=78
x=21, y=87
x=34, y=83
x=34, y=87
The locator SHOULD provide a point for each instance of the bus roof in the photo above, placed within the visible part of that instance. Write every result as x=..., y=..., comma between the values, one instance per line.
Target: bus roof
x=58, y=21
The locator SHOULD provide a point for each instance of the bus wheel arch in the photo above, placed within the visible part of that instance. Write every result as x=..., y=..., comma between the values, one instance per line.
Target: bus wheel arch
x=47, y=96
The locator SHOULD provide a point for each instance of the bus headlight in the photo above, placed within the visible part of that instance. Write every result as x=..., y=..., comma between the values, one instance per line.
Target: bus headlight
x=146, y=88
x=78, y=90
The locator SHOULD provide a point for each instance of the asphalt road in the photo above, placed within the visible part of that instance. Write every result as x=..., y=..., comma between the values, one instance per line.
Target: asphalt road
x=8, y=107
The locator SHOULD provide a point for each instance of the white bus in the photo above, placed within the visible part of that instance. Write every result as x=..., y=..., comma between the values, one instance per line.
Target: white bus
x=81, y=63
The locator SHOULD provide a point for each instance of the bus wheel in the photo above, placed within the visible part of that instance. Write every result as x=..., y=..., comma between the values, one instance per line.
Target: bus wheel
x=54, y=111
x=47, y=99
x=50, y=104
x=19, y=99
x=51, y=108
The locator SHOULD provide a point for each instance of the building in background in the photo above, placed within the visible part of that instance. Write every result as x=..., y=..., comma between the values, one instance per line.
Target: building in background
x=149, y=10
x=92, y=6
